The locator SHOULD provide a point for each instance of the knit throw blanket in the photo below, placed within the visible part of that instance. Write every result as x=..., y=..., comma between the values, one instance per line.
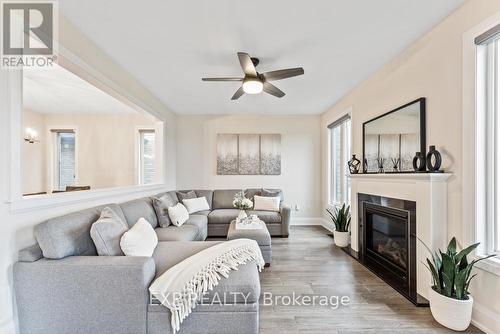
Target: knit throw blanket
x=182, y=287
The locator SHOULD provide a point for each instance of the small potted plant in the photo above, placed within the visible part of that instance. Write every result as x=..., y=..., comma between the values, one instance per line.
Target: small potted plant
x=242, y=203
x=341, y=218
x=449, y=298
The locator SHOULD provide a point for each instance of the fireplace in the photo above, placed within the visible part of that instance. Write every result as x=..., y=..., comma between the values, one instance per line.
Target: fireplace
x=388, y=243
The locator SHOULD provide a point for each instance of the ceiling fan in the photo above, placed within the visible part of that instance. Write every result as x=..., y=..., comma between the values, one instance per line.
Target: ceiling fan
x=255, y=82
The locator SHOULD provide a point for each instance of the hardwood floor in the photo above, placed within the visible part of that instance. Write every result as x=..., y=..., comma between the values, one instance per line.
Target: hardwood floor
x=308, y=264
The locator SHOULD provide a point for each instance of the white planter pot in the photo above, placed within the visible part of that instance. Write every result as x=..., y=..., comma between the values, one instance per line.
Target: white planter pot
x=452, y=313
x=241, y=215
x=341, y=239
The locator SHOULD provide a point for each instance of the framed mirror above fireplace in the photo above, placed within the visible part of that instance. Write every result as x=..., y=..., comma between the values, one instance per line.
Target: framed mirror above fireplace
x=391, y=140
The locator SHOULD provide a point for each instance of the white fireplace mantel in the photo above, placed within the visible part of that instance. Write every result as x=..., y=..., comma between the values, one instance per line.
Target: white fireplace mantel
x=428, y=190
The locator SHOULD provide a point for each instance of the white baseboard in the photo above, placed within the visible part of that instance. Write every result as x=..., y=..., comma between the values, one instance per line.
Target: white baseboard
x=305, y=221
x=485, y=319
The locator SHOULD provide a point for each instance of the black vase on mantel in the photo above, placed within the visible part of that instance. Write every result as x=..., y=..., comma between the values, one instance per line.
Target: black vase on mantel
x=354, y=164
x=419, y=162
x=433, y=166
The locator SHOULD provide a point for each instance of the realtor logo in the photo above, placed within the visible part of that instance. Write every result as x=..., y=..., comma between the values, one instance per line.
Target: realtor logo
x=28, y=37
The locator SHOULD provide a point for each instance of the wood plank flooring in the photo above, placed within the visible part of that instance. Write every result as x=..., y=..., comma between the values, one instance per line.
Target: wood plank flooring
x=307, y=263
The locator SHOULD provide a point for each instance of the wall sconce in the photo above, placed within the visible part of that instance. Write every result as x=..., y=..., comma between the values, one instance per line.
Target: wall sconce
x=31, y=136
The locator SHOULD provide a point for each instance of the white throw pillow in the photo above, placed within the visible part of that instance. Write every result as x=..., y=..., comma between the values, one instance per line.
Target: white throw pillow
x=178, y=214
x=140, y=240
x=196, y=204
x=261, y=203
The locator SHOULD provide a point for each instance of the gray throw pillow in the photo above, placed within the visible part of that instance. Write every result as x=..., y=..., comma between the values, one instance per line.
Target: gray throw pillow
x=187, y=195
x=271, y=193
x=107, y=231
x=161, y=205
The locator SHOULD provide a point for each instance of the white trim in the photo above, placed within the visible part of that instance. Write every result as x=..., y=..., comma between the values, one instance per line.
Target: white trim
x=34, y=203
x=347, y=111
x=469, y=141
x=482, y=315
x=306, y=221
x=384, y=177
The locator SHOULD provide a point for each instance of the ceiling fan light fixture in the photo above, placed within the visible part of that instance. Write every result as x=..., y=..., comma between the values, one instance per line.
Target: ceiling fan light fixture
x=252, y=86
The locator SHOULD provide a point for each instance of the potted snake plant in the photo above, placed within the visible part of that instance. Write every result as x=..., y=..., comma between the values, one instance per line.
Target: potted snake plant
x=341, y=219
x=449, y=298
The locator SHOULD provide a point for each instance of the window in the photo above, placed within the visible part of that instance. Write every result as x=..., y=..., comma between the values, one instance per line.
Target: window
x=340, y=144
x=147, y=156
x=488, y=141
x=65, y=159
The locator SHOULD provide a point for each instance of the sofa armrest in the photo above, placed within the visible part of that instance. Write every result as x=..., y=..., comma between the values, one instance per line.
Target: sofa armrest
x=286, y=213
x=84, y=294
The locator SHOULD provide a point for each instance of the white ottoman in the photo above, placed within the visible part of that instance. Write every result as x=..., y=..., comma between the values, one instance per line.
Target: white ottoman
x=262, y=237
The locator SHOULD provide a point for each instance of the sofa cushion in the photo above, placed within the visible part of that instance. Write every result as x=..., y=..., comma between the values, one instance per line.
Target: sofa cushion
x=178, y=214
x=263, y=203
x=196, y=204
x=208, y=194
x=272, y=193
x=140, y=240
x=266, y=216
x=186, y=232
x=161, y=205
x=240, y=283
x=67, y=235
x=203, y=213
x=185, y=195
x=250, y=193
x=139, y=208
x=223, y=199
x=107, y=231
x=199, y=221
x=222, y=216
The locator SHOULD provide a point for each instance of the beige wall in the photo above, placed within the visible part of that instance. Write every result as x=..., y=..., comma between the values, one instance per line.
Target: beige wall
x=106, y=147
x=34, y=154
x=300, y=178
x=431, y=68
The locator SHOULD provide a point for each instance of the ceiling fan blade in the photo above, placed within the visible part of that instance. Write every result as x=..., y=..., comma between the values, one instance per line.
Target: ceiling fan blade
x=238, y=93
x=246, y=64
x=222, y=79
x=283, y=74
x=273, y=90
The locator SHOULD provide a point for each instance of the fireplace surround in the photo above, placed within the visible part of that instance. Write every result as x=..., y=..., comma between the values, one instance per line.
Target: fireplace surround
x=387, y=242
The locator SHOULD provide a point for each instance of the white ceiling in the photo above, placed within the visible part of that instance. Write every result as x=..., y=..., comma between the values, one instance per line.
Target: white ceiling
x=58, y=91
x=170, y=45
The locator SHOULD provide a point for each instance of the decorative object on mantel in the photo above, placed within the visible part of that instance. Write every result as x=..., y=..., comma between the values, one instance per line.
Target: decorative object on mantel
x=341, y=219
x=433, y=166
x=395, y=164
x=396, y=134
x=380, y=163
x=365, y=166
x=242, y=203
x=419, y=162
x=354, y=164
x=450, y=302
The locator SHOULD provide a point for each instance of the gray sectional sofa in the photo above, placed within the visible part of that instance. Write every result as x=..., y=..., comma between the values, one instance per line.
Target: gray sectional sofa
x=62, y=286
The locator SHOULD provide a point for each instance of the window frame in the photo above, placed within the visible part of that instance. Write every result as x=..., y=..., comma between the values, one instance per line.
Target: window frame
x=473, y=187
x=140, y=156
x=54, y=168
x=345, y=135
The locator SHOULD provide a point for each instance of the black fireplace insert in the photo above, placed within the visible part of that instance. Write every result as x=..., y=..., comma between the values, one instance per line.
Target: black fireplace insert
x=387, y=241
